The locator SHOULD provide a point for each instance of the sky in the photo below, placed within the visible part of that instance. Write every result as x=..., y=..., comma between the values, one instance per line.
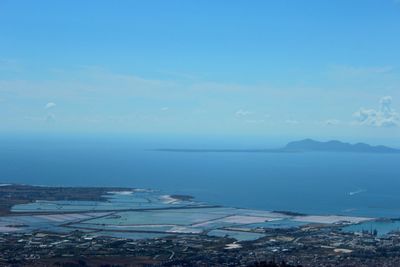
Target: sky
x=315, y=68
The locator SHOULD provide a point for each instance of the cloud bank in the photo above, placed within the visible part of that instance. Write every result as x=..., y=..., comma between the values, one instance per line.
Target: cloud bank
x=385, y=116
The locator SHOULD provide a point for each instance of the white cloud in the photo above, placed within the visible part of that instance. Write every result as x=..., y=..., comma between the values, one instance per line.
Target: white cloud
x=242, y=112
x=50, y=105
x=385, y=116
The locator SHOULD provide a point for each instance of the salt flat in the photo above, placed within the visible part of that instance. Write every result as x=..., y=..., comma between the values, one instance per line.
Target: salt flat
x=149, y=214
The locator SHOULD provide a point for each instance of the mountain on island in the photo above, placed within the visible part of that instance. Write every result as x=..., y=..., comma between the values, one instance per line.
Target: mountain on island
x=336, y=146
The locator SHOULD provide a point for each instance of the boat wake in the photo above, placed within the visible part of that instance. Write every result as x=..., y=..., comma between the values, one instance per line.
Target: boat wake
x=357, y=192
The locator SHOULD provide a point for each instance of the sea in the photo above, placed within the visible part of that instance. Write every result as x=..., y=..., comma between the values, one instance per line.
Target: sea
x=356, y=184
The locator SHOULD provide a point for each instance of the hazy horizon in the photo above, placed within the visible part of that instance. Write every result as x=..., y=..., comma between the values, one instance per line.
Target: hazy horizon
x=180, y=141
x=276, y=70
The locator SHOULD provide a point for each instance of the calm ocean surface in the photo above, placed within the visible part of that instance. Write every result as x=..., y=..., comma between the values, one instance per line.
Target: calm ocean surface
x=315, y=183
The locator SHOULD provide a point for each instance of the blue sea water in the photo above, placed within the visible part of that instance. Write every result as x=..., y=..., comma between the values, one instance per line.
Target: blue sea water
x=315, y=183
x=382, y=227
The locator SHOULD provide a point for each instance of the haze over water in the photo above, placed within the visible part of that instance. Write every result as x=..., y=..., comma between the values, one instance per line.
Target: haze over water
x=306, y=69
x=315, y=183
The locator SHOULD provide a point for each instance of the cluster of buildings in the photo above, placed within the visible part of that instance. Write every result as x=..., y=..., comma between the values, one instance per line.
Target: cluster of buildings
x=303, y=246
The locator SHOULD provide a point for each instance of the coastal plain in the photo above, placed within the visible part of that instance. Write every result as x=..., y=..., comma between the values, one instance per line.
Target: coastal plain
x=141, y=213
x=95, y=226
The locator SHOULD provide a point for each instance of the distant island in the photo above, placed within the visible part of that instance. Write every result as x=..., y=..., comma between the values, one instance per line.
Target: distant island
x=305, y=145
x=337, y=146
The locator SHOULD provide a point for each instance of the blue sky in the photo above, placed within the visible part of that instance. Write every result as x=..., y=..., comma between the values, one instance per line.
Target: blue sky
x=321, y=69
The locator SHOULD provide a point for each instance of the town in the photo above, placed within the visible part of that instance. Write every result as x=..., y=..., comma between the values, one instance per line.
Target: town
x=305, y=246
